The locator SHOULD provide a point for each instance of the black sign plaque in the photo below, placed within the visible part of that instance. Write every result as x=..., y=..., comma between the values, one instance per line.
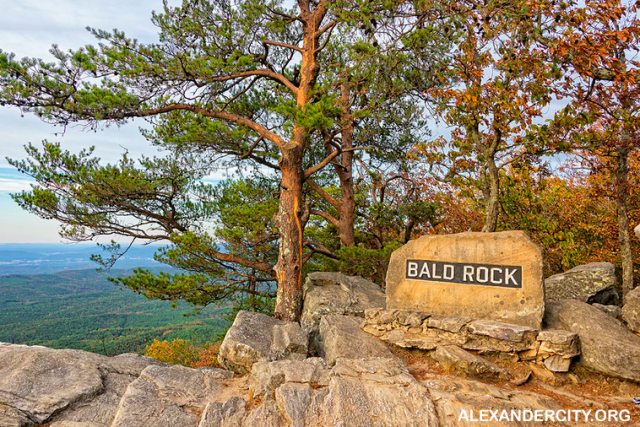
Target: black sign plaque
x=504, y=276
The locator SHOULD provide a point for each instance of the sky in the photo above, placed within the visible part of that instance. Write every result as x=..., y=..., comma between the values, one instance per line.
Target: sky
x=29, y=28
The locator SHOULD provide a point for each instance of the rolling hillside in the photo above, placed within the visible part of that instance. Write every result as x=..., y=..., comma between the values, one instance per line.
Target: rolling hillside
x=82, y=310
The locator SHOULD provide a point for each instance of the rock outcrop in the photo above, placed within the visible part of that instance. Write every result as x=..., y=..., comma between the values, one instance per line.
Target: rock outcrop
x=358, y=381
x=607, y=345
x=335, y=293
x=266, y=377
x=256, y=337
x=72, y=388
x=173, y=395
x=371, y=392
x=590, y=283
x=459, y=402
x=362, y=391
x=341, y=337
x=37, y=383
x=631, y=309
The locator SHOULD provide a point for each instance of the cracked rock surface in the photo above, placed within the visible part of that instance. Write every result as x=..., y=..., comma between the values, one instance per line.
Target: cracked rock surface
x=38, y=383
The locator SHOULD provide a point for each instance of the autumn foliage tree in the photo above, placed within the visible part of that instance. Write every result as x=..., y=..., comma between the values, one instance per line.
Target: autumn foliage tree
x=496, y=86
x=596, y=44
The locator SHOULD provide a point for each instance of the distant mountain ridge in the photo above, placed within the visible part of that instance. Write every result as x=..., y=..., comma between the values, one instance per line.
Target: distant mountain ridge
x=48, y=258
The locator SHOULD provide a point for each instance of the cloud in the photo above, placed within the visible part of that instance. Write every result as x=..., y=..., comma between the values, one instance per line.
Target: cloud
x=9, y=185
x=29, y=27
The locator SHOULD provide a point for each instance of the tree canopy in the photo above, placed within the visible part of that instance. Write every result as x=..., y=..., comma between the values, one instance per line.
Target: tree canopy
x=324, y=108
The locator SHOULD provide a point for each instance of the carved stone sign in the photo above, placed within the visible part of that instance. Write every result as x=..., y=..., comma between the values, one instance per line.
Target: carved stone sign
x=480, y=275
x=506, y=276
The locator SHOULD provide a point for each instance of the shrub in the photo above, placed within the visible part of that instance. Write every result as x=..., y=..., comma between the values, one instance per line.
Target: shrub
x=182, y=352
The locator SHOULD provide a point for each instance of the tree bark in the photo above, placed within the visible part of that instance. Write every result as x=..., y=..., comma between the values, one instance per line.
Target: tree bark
x=345, y=174
x=289, y=266
x=622, y=208
x=491, y=196
x=490, y=177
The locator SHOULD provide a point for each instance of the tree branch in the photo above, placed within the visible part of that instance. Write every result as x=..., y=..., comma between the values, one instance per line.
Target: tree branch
x=326, y=27
x=256, y=265
x=326, y=196
x=330, y=218
x=248, y=153
x=261, y=130
x=264, y=72
x=328, y=160
x=285, y=45
x=321, y=249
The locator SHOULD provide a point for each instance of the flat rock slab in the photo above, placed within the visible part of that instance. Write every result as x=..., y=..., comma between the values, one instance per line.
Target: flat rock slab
x=557, y=337
x=268, y=376
x=495, y=276
x=41, y=383
x=341, y=337
x=411, y=340
x=558, y=349
x=589, y=283
x=523, y=342
x=256, y=337
x=448, y=323
x=502, y=331
x=455, y=358
x=606, y=345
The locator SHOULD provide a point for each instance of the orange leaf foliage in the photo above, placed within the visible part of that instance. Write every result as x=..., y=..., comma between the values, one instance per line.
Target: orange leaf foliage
x=182, y=352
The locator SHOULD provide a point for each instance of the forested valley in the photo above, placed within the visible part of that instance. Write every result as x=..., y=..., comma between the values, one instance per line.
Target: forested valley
x=83, y=310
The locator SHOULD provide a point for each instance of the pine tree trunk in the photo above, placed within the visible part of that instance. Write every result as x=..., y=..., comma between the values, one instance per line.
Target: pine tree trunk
x=291, y=207
x=347, y=211
x=289, y=266
x=622, y=184
x=345, y=174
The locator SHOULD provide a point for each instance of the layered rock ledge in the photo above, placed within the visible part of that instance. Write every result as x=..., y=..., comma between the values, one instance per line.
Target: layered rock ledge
x=411, y=329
